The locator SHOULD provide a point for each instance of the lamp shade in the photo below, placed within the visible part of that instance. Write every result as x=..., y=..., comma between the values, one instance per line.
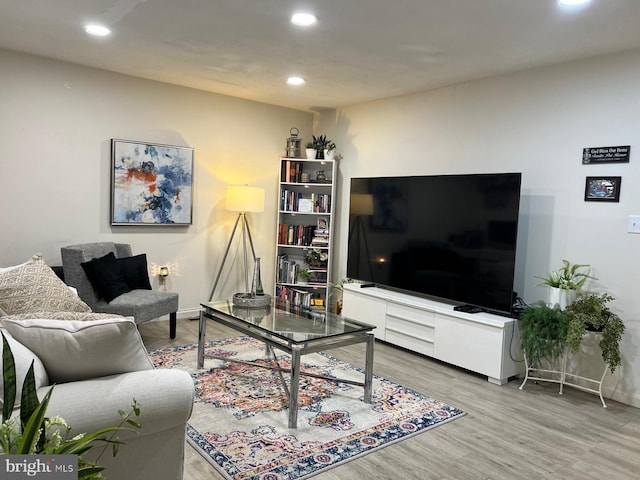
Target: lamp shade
x=245, y=199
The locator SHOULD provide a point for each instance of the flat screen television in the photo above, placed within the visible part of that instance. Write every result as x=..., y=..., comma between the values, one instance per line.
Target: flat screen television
x=451, y=237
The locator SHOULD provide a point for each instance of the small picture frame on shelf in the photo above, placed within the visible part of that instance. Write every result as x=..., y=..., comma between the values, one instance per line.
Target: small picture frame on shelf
x=305, y=205
x=323, y=224
x=602, y=189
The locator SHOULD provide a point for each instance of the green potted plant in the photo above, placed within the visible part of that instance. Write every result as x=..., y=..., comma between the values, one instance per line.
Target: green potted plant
x=565, y=283
x=320, y=143
x=543, y=332
x=310, y=150
x=303, y=277
x=330, y=151
x=337, y=289
x=590, y=313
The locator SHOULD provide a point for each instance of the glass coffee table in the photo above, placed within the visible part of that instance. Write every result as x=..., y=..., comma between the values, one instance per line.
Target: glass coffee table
x=296, y=331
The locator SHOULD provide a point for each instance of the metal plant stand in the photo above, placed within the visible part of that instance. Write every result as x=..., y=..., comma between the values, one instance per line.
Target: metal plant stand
x=563, y=377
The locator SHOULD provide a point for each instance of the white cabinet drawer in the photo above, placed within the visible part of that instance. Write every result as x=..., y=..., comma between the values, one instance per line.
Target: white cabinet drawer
x=407, y=340
x=412, y=321
x=410, y=328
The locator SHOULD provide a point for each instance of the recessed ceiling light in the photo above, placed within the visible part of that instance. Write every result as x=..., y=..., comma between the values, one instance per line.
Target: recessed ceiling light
x=295, y=81
x=571, y=3
x=97, y=30
x=303, y=19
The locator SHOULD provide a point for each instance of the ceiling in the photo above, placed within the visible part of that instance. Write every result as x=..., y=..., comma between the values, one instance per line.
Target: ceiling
x=360, y=50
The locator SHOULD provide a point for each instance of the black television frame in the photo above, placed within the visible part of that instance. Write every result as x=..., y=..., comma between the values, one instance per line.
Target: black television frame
x=497, y=238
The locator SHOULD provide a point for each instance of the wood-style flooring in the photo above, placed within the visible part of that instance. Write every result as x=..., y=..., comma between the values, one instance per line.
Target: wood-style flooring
x=507, y=433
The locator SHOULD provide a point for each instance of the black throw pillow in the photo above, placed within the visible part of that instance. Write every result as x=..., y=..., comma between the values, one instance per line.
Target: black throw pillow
x=106, y=277
x=134, y=271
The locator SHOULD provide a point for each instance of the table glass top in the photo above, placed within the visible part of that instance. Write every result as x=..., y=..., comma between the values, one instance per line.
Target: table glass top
x=296, y=323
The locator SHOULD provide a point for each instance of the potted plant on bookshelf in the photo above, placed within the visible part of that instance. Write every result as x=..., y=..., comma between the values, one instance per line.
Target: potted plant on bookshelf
x=566, y=282
x=310, y=150
x=303, y=276
x=590, y=313
x=337, y=289
x=330, y=151
x=543, y=332
x=320, y=143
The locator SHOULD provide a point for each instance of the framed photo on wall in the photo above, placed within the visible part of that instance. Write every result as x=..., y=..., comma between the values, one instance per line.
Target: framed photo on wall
x=151, y=184
x=602, y=189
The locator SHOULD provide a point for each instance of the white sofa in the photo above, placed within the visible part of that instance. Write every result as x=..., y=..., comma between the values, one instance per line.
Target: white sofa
x=99, y=367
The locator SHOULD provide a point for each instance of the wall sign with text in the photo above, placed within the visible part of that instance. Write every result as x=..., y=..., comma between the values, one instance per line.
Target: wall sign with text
x=595, y=155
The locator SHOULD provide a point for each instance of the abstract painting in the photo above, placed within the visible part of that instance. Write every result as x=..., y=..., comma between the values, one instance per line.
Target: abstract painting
x=151, y=184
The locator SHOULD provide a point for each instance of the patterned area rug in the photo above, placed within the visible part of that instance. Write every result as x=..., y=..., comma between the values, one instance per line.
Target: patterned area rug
x=239, y=421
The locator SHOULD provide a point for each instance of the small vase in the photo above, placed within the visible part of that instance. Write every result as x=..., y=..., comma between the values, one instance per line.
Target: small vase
x=320, y=176
x=311, y=153
x=329, y=154
x=256, y=286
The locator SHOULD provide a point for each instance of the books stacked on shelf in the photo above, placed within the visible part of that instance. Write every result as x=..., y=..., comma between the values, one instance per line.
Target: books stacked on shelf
x=320, y=238
x=290, y=297
x=301, y=235
x=321, y=202
x=294, y=295
x=292, y=172
x=288, y=269
x=291, y=201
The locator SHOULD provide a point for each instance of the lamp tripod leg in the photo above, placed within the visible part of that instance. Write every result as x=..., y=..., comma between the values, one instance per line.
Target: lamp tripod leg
x=224, y=259
x=253, y=252
x=246, y=232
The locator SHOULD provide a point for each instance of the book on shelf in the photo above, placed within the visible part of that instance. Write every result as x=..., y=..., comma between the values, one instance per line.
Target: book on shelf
x=291, y=172
x=320, y=239
x=300, y=235
x=292, y=297
x=290, y=202
x=287, y=269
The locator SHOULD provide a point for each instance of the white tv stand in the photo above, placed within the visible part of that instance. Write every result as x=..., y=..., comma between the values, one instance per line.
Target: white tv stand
x=480, y=342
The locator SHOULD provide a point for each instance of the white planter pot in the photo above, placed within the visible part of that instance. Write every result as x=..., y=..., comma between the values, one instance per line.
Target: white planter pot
x=561, y=297
x=329, y=154
x=311, y=153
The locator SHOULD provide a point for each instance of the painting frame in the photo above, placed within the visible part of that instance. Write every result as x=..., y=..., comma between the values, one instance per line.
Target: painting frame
x=602, y=189
x=151, y=184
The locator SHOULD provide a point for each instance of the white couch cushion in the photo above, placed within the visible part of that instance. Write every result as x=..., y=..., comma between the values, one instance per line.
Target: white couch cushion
x=22, y=358
x=73, y=350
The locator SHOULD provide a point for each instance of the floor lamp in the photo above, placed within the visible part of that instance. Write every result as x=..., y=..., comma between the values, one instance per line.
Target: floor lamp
x=241, y=199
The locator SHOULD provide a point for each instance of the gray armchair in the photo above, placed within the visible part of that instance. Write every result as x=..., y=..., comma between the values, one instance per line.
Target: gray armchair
x=141, y=304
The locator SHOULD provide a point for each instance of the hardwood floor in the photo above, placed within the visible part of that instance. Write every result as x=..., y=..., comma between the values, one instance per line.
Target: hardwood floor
x=507, y=433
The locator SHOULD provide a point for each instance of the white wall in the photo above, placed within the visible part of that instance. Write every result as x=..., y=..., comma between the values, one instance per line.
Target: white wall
x=56, y=122
x=535, y=122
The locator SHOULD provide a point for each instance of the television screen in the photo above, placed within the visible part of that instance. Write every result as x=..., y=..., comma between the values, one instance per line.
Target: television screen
x=446, y=236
